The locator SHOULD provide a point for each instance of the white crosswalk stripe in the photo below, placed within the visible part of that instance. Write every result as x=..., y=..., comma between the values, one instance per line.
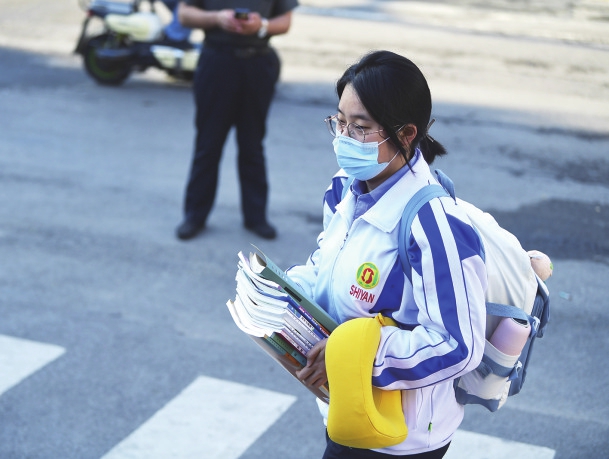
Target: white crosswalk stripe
x=19, y=358
x=471, y=445
x=210, y=419
x=218, y=419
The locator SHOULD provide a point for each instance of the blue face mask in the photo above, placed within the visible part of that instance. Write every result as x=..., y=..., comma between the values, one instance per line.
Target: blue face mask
x=357, y=159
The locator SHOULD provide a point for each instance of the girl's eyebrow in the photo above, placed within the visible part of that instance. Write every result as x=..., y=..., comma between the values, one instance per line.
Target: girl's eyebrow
x=360, y=116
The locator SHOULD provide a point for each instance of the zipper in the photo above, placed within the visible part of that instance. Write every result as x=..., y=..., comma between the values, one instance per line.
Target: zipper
x=338, y=253
x=430, y=425
x=341, y=247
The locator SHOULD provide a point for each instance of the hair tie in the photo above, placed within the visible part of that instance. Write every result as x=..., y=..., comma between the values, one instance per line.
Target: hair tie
x=430, y=138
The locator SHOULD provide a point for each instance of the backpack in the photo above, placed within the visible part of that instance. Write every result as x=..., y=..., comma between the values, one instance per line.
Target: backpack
x=514, y=291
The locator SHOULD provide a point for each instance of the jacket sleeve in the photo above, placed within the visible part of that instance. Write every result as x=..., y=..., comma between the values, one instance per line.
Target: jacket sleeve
x=306, y=275
x=448, y=288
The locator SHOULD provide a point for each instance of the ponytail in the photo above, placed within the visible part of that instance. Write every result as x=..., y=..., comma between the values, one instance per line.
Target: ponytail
x=430, y=147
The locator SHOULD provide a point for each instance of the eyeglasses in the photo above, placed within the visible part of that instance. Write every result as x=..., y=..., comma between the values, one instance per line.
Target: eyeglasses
x=338, y=127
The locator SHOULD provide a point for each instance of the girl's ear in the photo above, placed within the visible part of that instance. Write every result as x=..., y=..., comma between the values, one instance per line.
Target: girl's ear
x=407, y=134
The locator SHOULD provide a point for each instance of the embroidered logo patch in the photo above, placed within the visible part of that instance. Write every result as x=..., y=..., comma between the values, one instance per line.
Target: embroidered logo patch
x=367, y=275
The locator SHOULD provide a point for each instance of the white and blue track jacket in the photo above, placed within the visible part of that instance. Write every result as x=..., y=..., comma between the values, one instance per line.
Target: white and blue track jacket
x=356, y=272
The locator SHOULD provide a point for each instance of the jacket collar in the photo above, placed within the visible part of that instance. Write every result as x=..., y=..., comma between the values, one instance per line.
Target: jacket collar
x=387, y=212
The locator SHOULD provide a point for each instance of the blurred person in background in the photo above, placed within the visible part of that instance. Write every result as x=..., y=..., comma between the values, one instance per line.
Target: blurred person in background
x=233, y=87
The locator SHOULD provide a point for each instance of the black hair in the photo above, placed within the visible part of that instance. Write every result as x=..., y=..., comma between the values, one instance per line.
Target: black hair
x=395, y=93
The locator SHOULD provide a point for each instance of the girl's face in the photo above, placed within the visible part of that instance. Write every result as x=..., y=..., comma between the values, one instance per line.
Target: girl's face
x=351, y=110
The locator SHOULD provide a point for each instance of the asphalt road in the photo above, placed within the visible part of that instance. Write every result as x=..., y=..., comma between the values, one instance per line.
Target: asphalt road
x=91, y=183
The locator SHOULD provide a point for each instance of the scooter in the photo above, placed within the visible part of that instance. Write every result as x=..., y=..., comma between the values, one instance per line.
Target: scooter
x=130, y=39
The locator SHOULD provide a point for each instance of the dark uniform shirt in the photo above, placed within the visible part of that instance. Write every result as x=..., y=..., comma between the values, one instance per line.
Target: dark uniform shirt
x=267, y=9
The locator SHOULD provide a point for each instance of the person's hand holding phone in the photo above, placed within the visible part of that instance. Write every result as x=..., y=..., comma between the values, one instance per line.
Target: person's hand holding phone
x=249, y=22
x=242, y=13
x=240, y=21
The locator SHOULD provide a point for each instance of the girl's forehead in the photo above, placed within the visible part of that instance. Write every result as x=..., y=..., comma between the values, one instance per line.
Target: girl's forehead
x=351, y=106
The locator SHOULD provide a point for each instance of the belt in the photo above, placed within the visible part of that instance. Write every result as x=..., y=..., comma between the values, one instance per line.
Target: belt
x=241, y=52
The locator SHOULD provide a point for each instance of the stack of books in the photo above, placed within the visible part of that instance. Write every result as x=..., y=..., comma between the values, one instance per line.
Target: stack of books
x=270, y=308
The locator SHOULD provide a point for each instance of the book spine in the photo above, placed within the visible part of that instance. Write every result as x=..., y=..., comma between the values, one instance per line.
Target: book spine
x=301, y=347
x=301, y=328
x=280, y=341
x=308, y=321
x=323, y=330
x=281, y=351
x=298, y=336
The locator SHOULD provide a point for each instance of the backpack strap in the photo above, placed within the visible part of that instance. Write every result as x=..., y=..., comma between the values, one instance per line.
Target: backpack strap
x=504, y=310
x=420, y=198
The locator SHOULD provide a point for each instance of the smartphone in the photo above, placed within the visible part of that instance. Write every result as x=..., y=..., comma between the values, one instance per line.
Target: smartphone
x=241, y=13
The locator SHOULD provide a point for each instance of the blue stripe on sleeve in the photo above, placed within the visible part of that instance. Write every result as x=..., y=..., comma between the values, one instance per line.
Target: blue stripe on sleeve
x=390, y=298
x=468, y=244
x=447, y=301
x=467, y=239
x=422, y=370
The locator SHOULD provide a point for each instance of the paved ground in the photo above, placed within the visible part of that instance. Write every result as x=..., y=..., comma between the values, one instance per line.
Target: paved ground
x=91, y=185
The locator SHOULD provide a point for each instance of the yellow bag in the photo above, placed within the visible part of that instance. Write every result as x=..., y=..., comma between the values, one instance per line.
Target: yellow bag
x=360, y=415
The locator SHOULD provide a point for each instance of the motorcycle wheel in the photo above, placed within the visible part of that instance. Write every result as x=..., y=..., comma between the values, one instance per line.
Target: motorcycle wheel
x=102, y=72
x=184, y=75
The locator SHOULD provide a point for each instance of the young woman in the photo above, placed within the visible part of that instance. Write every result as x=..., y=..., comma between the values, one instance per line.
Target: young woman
x=382, y=141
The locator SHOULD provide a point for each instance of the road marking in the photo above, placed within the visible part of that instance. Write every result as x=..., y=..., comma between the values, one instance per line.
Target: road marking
x=218, y=419
x=471, y=445
x=19, y=358
x=211, y=419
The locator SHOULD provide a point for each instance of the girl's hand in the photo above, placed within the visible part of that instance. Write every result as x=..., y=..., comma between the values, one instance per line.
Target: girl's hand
x=314, y=373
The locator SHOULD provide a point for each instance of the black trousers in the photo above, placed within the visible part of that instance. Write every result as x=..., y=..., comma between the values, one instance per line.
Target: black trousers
x=336, y=451
x=231, y=90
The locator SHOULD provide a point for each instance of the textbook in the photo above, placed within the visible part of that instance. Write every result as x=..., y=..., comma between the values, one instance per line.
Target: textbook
x=263, y=266
x=270, y=308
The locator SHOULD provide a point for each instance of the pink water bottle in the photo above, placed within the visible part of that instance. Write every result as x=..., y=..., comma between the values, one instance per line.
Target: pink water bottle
x=511, y=335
